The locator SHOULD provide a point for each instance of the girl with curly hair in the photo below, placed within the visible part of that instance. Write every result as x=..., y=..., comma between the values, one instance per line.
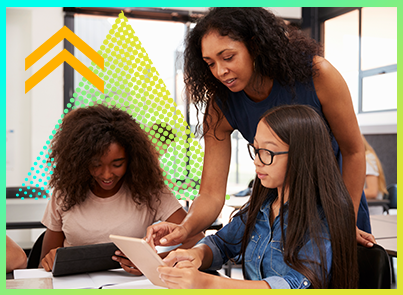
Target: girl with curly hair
x=298, y=228
x=241, y=62
x=106, y=179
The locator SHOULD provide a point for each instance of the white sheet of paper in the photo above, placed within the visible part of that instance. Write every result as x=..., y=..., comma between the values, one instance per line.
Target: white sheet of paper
x=79, y=281
x=143, y=283
x=31, y=273
x=113, y=276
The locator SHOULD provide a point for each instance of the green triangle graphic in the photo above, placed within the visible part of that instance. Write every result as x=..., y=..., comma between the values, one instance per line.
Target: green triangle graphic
x=133, y=84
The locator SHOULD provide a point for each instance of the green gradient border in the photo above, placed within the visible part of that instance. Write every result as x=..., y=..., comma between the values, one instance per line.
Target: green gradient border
x=181, y=3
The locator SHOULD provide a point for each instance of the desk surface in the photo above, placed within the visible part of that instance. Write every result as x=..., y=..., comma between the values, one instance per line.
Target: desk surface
x=390, y=245
x=37, y=283
x=110, y=279
x=385, y=218
x=384, y=229
x=384, y=226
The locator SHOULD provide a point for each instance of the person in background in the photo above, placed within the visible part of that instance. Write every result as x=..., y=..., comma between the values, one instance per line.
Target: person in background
x=106, y=179
x=375, y=184
x=298, y=228
x=15, y=256
x=240, y=62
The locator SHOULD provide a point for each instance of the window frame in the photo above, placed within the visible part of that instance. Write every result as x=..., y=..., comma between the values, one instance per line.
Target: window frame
x=328, y=13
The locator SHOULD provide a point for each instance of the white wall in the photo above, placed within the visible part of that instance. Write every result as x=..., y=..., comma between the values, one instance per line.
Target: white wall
x=31, y=116
x=378, y=122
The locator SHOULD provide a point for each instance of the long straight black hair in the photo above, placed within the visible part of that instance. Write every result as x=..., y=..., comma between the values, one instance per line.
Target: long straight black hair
x=313, y=178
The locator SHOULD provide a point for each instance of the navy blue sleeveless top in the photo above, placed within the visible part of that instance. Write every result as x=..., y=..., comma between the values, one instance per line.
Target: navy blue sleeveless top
x=243, y=114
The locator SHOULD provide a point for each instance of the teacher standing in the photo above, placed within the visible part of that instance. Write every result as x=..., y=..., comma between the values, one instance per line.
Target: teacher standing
x=239, y=63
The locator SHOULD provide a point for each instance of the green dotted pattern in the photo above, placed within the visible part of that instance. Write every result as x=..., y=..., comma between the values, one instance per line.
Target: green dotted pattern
x=133, y=84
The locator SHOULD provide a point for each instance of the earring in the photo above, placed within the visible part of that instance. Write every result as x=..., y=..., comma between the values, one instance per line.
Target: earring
x=254, y=66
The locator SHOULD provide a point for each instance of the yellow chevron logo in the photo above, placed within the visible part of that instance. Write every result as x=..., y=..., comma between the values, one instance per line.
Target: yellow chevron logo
x=64, y=56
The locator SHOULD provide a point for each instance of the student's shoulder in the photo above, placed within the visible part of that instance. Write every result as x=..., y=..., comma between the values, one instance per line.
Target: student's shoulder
x=57, y=198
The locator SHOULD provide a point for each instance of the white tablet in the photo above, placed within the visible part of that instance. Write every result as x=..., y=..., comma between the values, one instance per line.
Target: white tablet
x=142, y=256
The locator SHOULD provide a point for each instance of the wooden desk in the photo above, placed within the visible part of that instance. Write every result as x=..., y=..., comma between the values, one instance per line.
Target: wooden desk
x=38, y=283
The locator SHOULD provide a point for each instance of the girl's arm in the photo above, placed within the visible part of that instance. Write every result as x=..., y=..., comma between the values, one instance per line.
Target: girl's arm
x=338, y=110
x=371, y=191
x=207, y=206
x=200, y=256
x=15, y=256
x=51, y=241
x=186, y=276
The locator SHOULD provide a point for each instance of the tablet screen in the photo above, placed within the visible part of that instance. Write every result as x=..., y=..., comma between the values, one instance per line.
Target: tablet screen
x=142, y=256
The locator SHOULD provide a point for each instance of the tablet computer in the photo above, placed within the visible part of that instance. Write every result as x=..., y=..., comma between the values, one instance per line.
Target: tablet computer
x=142, y=256
x=81, y=259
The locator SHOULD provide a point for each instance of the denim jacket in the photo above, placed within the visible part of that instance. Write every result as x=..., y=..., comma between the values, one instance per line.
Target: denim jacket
x=264, y=253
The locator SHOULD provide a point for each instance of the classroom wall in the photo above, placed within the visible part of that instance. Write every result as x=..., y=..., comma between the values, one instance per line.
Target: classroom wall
x=30, y=117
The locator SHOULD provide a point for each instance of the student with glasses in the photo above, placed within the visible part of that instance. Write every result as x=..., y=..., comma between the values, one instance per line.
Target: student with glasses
x=239, y=63
x=298, y=228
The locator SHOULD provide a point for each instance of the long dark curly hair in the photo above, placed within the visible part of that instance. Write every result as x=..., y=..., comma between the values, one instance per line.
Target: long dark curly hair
x=279, y=52
x=86, y=133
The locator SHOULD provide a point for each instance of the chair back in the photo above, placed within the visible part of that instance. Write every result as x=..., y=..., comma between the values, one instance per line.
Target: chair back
x=35, y=253
x=374, y=268
x=392, y=190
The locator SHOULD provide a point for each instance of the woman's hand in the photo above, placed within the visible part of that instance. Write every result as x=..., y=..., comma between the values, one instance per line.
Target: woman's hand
x=49, y=259
x=194, y=256
x=364, y=238
x=166, y=234
x=126, y=264
x=183, y=276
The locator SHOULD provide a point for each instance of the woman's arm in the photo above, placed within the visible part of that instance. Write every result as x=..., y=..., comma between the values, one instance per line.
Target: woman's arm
x=51, y=241
x=207, y=206
x=371, y=191
x=338, y=110
x=15, y=256
x=177, y=217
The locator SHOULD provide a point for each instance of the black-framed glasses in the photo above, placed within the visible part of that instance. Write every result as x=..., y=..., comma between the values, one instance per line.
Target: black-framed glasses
x=265, y=156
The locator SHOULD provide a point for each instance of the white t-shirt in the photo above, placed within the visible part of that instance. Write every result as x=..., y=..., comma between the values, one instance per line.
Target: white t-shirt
x=92, y=221
x=372, y=169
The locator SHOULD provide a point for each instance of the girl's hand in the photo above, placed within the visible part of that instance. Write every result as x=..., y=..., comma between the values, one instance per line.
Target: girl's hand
x=365, y=238
x=183, y=276
x=191, y=255
x=126, y=264
x=49, y=259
